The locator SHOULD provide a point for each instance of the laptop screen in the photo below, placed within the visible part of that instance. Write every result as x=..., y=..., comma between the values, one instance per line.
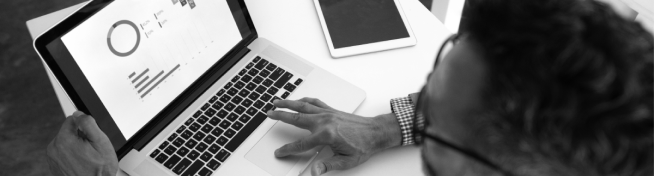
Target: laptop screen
x=139, y=55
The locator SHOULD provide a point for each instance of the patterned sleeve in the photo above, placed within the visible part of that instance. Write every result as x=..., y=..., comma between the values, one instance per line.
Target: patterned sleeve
x=404, y=110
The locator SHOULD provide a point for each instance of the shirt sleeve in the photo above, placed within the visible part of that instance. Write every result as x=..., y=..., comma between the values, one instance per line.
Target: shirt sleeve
x=404, y=110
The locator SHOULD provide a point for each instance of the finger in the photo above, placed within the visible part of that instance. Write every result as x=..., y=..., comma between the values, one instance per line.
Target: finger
x=338, y=162
x=298, y=146
x=298, y=106
x=90, y=128
x=316, y=102
x=300, y=120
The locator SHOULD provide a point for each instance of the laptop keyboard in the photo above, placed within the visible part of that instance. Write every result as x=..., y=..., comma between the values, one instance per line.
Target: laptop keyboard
x=207, y=138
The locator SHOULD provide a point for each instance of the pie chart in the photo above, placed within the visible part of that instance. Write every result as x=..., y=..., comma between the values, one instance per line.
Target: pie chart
x=121, y=51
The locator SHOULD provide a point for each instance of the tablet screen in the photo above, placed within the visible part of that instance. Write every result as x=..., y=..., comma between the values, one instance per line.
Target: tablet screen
x=139, y=55
x=359, y=22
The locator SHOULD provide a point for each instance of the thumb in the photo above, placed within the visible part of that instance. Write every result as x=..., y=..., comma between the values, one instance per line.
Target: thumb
x=92, y=132
x=338, y=162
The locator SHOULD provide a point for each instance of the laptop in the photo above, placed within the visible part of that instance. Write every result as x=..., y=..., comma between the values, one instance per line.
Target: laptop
x=186, y=84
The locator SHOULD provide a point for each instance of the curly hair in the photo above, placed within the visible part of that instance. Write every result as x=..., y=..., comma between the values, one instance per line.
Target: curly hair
x=569, y=83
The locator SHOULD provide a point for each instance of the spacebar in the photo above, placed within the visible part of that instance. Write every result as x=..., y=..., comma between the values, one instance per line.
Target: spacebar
x=246, y=131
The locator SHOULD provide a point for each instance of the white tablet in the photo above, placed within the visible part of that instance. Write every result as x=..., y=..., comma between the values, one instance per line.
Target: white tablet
x=361, y=26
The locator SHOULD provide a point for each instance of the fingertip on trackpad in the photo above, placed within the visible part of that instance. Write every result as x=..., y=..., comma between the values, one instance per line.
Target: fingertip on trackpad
x=263, y=153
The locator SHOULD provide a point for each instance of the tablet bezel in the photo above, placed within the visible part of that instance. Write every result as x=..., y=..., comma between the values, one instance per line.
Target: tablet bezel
x=86, y=100
x=370, y=47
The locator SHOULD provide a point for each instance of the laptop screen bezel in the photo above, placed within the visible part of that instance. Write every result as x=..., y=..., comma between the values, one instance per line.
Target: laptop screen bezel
x=53, y=52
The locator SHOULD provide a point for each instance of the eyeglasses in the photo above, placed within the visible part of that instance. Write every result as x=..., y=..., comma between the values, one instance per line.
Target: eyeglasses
x=422, y=121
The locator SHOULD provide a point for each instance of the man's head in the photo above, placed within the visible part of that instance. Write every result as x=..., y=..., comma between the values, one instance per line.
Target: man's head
x=545, y=87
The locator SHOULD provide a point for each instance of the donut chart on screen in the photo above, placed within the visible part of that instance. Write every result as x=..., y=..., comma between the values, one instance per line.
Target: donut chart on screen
x=111, y=30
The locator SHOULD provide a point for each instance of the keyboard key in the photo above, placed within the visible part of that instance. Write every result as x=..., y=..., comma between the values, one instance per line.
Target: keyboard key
x=239, y=85
x=187, y=134
x=248, y=102
x=172, y=161
x=290, y=87
x=217, y=105
x=213, y=99
x=205, y=172
x=252, y=111
x=210, y=139
x=193, y=155
x=178, y=142
x=276, y=74
x=205, y=106
x=181, y=166
x=283, y=80
x=206, y=156
x=210, y=112
x=268, y=107
x=242, y=72
x=250, y=87
x=225, y=98
x=189, y=121
x=227, y=86
x=202, y=119
x=257, y=80
x=155, y=153
x=182, y=151
x=222, y=155
x=206, y=128
x=201, y=147
x=161, y=158
x=265, y=97
x=256, y=59
x=275, y=98
x=191, y=143
x=246, y=78
x=170, y=150
x=237, y=126
x=245, y=132
x=249, y=65
x=258, y=104
x=222, y=114
x=181, y=129
x=194, y=127
x=217, y=131
x=232, y=91
x=172, y=137
x=261, y=89
x=253, y=72
x=254, y=96
x=264, y=73
x=194, y=168
x=271, y=67
x=244, y=93
x=237, y=99
x=261, y=64
x=214, y=148
x=298, y=81
x=271, y=91
x=213, y=164
x=286, y=94
x=230, y=106
x=225, y=124
x=231, y=117
x=235, y=78
x=268, y=82
x=214, y=121
x=221, y=140
x=244, y=118
x=229, y=133
x=199, y=136
x=197, y=113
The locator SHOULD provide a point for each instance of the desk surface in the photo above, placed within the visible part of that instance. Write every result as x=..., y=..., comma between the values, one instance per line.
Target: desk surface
x=383, y=75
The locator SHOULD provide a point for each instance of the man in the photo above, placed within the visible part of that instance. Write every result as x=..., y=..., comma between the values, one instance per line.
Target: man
x=529, y=87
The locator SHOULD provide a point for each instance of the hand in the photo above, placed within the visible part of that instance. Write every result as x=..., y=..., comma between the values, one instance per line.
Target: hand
x=81, y=148
x=352, y=138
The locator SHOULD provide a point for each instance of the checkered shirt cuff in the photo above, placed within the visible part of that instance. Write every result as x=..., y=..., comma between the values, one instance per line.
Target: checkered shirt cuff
x=405, y=112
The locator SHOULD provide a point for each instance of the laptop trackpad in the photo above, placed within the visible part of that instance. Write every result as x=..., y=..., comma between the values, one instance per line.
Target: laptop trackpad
x=263, y=153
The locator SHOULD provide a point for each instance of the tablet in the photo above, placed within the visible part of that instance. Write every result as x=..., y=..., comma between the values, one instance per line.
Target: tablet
x=363, y=26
